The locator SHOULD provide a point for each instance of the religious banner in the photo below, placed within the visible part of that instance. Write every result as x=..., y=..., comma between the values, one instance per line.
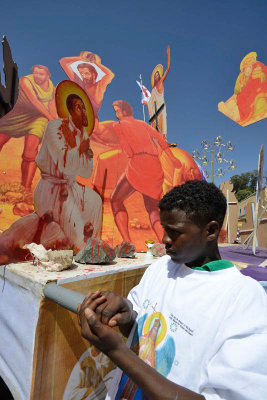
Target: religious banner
x=65, y=365
x=81, y=178
x=145, y=93
x=248, y=104
x=47, y=358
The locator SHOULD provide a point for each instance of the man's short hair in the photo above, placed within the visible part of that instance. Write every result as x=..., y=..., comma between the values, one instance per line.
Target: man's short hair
x=41, y=67
x=124, y=106
x=90, y=67
x=200, y=200
x=70, y=101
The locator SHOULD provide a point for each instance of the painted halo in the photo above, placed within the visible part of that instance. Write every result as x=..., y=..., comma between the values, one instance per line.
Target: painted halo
x=63, y=90
x=158, y=68
x=249, y=59
x=163, y=329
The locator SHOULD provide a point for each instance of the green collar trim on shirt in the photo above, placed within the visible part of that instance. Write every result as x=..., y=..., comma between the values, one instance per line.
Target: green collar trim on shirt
x=215, y=266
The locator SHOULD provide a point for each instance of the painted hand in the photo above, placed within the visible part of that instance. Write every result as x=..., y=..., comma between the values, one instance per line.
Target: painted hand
x=88, y=56
x=89, y=154
x=84, y=146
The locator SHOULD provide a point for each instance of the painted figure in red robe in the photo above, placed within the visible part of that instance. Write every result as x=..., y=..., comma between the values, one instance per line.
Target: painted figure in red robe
x=143, y=145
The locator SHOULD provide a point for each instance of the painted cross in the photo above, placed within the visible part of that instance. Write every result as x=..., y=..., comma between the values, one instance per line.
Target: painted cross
x=155, y=116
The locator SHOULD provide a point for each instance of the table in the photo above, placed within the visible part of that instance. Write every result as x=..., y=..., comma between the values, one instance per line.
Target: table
x=42, y=354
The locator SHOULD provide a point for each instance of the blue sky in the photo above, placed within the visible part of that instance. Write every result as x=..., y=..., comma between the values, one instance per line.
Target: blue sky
x=208, y=39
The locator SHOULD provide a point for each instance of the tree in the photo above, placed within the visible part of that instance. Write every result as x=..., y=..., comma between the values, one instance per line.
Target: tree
x=244, y=184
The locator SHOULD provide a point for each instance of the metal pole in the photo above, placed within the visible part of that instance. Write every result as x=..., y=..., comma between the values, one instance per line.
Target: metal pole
x=66, y=298
x=228, y=212
x=254, y=241
x=212, y=164
x=142, y=103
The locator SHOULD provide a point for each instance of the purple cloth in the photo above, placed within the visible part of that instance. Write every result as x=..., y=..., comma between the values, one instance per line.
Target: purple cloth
x=258, y=273
x=237, y=253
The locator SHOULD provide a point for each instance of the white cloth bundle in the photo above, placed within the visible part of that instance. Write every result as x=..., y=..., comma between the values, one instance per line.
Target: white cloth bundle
x=51, y=260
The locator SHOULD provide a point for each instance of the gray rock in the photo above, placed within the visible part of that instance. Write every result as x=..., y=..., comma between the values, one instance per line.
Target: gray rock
x=125, y=250
x=158, y=250
x=96, y=251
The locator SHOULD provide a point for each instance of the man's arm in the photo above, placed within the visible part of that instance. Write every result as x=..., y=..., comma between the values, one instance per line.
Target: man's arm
x=108, y=74
x=168, y=64
x=112, y=310
x=165, y=147
x=66, y=66
x=52, y=107
x=154, y=385
x=26, y=86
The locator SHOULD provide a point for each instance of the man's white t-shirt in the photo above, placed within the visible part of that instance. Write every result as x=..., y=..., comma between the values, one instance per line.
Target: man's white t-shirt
x=206, y=331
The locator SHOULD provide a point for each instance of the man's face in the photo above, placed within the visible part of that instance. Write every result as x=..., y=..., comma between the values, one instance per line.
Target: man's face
x=87, y=75
x=184, y=241
x=248, y=70
x=40, y=75
x=79, y=112
x=119, y=113
x=156, y=77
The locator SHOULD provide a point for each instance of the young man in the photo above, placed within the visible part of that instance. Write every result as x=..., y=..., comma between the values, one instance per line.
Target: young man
x=201, y=324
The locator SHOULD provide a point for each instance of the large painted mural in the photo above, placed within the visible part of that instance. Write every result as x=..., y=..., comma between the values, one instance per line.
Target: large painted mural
x=65, y=176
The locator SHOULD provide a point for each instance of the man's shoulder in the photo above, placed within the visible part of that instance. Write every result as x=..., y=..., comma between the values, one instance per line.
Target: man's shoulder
x=26, y=80
x=247, y=290
x=249, y=283
x=159, y=266
x=131, y=121
x=51, y=84
x=55, y=123
x=53, y=126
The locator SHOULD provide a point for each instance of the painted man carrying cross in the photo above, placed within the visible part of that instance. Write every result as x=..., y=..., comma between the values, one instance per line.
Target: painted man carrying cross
x=156, y=104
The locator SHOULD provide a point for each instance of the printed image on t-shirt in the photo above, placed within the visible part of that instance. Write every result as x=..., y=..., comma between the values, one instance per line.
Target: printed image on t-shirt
x=155, y=347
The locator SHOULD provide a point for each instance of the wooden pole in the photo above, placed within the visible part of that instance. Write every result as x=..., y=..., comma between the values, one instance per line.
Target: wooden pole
x=143, y=104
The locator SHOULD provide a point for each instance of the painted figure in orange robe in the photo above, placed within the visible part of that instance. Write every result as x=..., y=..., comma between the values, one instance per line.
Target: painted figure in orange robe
x=34, y=108
x=251, y=88
x=90, y=69
x=248, y=104
x=142, y=144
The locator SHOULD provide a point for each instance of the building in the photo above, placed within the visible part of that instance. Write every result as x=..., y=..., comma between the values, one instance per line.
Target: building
x=231, y=217
x=246, y=209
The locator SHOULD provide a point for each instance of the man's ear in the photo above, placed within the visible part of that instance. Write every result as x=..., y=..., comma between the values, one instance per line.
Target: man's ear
x=212, y=230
